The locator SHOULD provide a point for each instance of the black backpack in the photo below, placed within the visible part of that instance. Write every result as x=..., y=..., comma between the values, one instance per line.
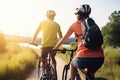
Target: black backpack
x=92, y=37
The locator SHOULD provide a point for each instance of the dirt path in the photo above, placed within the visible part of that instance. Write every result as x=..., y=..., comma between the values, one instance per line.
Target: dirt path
x=60, y=65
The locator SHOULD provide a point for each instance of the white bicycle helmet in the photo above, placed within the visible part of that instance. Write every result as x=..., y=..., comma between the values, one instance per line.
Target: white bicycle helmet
x=50, y=13
x=83, y=9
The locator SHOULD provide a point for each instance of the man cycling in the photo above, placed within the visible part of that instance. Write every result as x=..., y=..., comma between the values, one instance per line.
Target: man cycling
x=84, y=56
x=49, y=29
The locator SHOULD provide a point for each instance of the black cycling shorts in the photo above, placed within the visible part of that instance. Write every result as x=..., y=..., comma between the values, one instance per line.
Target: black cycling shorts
x=93, y=64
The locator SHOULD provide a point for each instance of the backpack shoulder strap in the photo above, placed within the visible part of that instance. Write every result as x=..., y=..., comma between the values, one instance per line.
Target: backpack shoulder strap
x=84, y=27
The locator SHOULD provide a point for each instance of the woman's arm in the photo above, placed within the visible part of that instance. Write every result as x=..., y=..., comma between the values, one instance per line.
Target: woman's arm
x=67, y=35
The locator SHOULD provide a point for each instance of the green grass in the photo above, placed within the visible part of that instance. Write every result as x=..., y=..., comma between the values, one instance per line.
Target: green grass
x=111, y=67
x=16, y=62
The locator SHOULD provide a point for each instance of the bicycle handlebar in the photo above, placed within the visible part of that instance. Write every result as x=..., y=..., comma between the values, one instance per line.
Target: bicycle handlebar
x=64, y=50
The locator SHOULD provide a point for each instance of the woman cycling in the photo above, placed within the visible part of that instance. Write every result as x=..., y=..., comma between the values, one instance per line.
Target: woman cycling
x=84, y=56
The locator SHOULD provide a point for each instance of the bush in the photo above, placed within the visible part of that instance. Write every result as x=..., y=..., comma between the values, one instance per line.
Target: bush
x=3, y=42
x=17, y=62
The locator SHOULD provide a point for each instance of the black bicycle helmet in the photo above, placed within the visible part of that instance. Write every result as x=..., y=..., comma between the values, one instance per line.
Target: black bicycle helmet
x=83, y=10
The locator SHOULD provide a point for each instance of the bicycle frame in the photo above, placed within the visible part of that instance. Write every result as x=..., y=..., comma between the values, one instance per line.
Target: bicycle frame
x=67, y=66
x=52, y=75
x=49, y=70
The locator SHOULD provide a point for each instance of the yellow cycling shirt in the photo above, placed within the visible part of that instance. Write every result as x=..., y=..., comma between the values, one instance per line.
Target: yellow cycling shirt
x=49, y=30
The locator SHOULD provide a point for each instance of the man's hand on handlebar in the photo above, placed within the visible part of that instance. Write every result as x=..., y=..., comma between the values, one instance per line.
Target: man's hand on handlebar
x=33, y=43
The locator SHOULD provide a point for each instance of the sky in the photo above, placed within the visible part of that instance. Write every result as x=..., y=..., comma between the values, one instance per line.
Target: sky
x=22, y=17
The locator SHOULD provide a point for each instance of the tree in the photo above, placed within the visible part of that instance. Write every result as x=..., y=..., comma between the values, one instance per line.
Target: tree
x=115, y=16
x=111, y=31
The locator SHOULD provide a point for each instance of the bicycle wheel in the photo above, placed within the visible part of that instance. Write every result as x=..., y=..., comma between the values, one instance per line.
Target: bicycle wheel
x=77, y=77
x=40, y=74
x=53, y=73
x=66, y=73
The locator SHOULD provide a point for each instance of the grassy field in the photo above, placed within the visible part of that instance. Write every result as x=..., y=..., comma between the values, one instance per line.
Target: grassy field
x=16, y=62
x=111, y=67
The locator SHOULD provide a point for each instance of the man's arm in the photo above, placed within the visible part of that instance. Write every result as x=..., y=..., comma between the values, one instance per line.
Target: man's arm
x=36, y=34
x=60, y=34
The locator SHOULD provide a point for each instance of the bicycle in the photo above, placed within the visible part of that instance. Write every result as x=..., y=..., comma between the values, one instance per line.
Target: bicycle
x=85, y=70
x=50, y=71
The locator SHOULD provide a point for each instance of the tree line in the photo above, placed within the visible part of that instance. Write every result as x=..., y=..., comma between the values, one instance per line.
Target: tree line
x=111, y=31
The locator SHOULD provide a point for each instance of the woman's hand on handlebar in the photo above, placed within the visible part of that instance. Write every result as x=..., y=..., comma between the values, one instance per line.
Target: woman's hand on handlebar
x=61, y=50
x=53, y=50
